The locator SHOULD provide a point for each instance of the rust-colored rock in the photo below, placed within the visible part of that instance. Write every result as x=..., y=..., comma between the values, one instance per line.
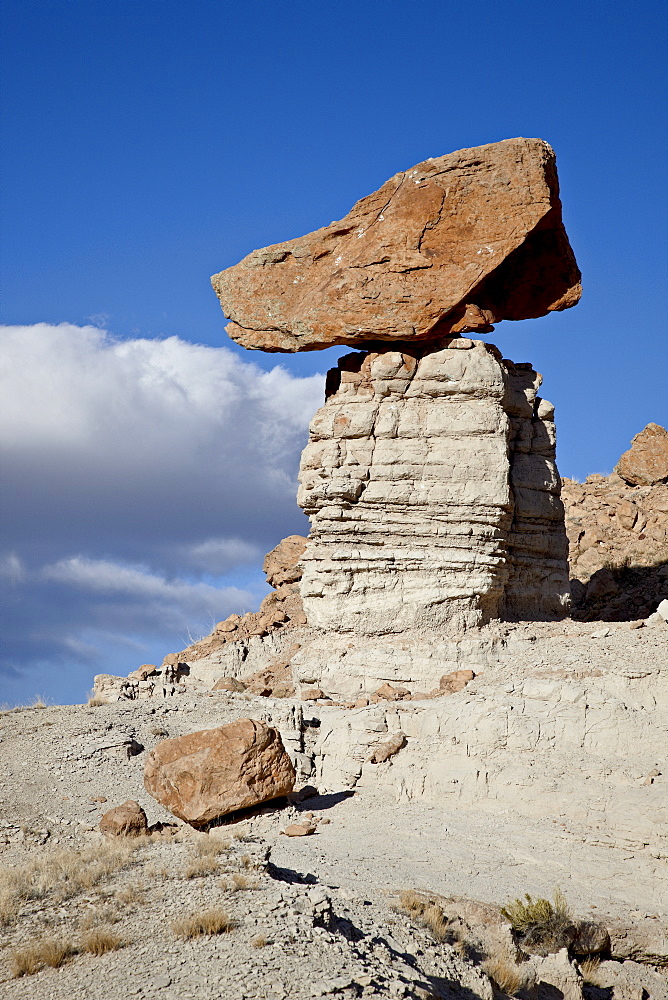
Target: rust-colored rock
x=281, y=565
x=455, y=681
x=207, y=774
x=229, y=684
x=452, y=245
x=646, y=461
x=126, y=820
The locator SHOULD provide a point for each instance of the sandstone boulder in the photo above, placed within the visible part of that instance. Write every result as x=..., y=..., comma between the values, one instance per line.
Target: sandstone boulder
x=229, y=684
x=281, y=565
x=126, y=820
x=646, y=461
x=452, y=245
x=204, y=775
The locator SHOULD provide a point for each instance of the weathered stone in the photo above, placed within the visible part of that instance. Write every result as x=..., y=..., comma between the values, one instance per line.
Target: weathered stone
x=433, y=494
x=141, y=673
x=452, y=245
x=204, y=775
x=281, y=565
x=646, y=461
x=126, y=820
x=229, y=684
x=388, y=692
x=388, y=749
x=455, y=681
x=299, y=829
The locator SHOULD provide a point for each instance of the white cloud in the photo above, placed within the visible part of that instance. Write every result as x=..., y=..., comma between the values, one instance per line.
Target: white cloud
x=143, y=481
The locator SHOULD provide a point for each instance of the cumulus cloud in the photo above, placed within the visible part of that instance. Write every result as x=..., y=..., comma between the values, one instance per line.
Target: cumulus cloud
x=139, y=477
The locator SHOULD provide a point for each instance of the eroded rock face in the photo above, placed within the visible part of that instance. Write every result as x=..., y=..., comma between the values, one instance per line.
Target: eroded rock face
x=208, y=774
x=646, y=461
x=433, y=494
x=451, y=246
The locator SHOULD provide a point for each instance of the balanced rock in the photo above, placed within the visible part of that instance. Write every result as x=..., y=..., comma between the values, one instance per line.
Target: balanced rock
x=646, y=461
x=205, y=775
x=126, y=820
x=452, y=245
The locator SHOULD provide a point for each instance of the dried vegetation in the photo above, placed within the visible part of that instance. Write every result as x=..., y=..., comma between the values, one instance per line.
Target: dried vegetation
x=206, y=922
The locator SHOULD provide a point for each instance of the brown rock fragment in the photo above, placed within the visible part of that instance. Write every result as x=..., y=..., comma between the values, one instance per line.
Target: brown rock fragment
x=126, y=820
x=281, y=565
x=207, y=774
x=388, y=692
x=455, y=681
x=388, y=749
x=299, y=829
x=646, y=461
x=229, y=684
x=452, y=245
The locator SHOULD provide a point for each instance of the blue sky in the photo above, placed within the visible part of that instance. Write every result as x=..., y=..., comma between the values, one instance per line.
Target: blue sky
x=148, y=145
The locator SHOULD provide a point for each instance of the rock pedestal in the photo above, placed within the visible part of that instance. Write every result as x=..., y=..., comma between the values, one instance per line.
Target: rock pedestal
x=431, y=485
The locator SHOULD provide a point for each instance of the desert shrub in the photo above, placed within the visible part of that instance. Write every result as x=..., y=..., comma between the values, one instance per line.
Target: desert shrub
x=261, y=941
x=50, y=951
x=214, y=921
x=95, y=701
x=523, y=914
x=158, y=731
x=100, y=940
x=542, y=927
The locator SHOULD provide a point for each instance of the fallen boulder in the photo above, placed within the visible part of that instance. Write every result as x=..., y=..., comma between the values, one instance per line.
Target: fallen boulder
x=126, y=820
x=205, y=775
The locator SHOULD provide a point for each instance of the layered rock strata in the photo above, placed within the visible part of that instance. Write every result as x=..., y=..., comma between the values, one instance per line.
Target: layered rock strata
x=452, y=245
x=430, y=482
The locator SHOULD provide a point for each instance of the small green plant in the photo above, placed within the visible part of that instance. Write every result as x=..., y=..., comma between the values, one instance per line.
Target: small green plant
x=523, y=914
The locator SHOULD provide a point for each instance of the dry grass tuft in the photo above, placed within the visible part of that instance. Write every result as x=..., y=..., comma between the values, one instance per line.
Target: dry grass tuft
x=214, y=921
x=261, y=941
x=50, y=951
x=200, y=867
x=238, y=882
x=206, y=846
x=98, y=915
x=506, y=974
x=158, y=731
x=95, y=701
x=131, y=894
x=425, y=912
x=589, y=969
x=60, y=875
x=100, y=940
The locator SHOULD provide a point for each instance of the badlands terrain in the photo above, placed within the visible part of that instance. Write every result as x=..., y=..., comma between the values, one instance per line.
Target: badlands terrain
x=433, y=763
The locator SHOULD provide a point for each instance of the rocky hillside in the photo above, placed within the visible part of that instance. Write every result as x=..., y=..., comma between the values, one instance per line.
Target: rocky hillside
x=618, y=534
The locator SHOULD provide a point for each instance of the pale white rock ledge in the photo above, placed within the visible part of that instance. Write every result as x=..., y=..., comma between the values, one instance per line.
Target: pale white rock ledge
x=431, y=485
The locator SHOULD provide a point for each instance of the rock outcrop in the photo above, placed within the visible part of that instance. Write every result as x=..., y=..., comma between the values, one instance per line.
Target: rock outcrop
x=618, y=534
x=646, y=461
x=433, y=494
x=452, y=245
x=203, y=776
x=281, y=609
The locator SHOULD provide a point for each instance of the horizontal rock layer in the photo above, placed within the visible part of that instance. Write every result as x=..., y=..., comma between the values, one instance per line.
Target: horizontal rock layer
x=430, y=482
x=452, y=245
